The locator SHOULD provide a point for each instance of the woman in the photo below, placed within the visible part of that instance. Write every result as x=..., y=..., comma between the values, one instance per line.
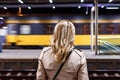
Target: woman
x=75, y=68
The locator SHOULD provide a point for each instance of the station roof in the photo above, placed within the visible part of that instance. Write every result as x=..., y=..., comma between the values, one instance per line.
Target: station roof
x=55, y=1
x=22, y=3
x=45, y=5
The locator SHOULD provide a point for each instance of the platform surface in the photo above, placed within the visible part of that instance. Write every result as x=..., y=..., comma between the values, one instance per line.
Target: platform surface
x=34, y=54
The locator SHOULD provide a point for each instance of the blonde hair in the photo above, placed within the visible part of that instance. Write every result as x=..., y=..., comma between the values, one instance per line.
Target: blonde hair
x=63, y=39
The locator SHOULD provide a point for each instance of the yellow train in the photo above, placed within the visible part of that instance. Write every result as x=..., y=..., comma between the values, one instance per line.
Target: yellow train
x=36, y=31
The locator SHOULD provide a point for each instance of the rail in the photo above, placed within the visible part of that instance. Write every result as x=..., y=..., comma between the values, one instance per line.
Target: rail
x=30, y=74
x=104, y=75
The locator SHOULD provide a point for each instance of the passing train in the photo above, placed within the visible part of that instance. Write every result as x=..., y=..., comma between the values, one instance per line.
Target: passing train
x=37, y=30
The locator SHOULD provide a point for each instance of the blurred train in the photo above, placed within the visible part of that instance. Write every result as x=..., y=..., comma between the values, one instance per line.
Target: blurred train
x=37, y=30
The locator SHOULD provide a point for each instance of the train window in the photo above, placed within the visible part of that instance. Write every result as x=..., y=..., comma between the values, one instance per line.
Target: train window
x=118, y=29
x=110, y=29
x=49, y=29
x=25, y=29
x=86, y=29
x=99, y=29
x=78, y=29
x=12, y=29
x=3, y=31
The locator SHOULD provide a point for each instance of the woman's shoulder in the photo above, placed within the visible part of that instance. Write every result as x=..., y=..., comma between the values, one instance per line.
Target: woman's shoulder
x=46, y=48
x=43, y=51
x=79, y=52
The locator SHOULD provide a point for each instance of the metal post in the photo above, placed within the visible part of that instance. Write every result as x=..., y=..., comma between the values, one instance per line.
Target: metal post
x=96, y=26
x=91, y=28
x=0, y=44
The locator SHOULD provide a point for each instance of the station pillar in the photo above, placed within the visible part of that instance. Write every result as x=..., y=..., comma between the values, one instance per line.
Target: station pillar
x=0, y=44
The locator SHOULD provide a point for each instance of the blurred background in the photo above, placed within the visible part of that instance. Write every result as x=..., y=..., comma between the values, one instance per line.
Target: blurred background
x=26, y=26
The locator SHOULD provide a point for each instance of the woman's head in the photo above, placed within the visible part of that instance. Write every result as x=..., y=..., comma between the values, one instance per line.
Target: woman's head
x=63, y=39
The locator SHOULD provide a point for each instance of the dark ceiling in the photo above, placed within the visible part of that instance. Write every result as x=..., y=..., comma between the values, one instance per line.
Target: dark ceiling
x=43, y=6
x=3, y=2
x=54, y=1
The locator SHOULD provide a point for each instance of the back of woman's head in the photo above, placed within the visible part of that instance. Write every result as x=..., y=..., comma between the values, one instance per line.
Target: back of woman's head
x=63, y=39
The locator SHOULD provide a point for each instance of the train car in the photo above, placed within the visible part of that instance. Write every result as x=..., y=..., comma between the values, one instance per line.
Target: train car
x=37, y=30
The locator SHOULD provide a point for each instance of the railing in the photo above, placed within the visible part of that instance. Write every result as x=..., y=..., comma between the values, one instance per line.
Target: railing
x=104, y=75
x=18, y=74
x=30, y=74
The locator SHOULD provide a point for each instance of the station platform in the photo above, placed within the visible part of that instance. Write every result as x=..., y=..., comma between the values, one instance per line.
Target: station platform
x=28, y=59
x=34, y=54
